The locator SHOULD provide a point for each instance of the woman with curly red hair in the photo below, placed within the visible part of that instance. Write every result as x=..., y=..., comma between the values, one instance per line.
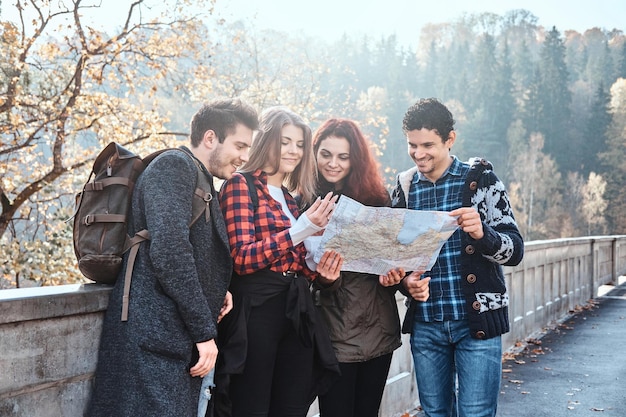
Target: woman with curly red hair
x=359, y=309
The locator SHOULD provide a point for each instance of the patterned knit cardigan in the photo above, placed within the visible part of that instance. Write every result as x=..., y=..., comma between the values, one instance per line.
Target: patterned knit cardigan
x=483, y=283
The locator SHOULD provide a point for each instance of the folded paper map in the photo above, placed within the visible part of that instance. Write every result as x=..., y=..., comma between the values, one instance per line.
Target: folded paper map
x=377, y=239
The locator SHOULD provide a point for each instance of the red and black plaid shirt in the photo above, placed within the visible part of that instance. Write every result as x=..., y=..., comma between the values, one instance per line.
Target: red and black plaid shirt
x=260, y=239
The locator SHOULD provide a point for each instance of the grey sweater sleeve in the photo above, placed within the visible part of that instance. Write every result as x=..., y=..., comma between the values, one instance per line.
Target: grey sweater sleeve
x=168, y=194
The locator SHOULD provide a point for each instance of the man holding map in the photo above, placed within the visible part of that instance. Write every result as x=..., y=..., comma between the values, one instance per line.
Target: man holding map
x=456, y=332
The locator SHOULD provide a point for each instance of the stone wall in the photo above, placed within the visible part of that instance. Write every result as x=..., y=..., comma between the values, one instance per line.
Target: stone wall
x=49, y=336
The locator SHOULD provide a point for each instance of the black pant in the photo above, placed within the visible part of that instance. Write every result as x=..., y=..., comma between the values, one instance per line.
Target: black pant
x=278, y=373
x=359, y=390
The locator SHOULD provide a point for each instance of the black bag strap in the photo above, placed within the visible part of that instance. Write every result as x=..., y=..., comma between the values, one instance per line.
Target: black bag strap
x=251, y=189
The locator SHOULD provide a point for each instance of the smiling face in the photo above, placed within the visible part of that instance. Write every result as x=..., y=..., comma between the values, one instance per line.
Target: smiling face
x=429, y=152
x=226, y=157
x=333, y=160
x=291, y=149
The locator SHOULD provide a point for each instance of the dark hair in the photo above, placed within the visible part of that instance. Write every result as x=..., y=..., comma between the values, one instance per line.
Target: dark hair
x=222, y=117
x=364, y=183
x=429, y=113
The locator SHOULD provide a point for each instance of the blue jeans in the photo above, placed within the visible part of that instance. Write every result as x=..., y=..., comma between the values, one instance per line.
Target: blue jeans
x=205, y=393
x=457, y=376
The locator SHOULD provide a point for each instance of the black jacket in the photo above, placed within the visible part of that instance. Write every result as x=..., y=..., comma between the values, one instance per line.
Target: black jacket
x=483, y=283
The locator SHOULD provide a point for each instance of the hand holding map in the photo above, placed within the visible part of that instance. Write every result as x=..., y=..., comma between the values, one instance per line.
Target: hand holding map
x=377, y=239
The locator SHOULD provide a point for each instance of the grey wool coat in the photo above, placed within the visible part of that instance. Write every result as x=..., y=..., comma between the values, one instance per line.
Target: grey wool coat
x=179, y=282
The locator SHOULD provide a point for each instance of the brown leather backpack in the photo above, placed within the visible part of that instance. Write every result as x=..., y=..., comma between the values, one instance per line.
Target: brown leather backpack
x=101, y=216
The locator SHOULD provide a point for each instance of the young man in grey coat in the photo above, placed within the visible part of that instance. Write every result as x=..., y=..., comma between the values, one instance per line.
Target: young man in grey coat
x=153, y=363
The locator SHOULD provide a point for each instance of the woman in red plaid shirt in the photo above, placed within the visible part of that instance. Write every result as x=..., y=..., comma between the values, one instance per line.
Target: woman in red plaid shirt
x=273, y=350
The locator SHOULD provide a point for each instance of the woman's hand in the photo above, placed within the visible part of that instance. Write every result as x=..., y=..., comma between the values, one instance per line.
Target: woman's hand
x=329, y=267
x=320, y=212
x=226, y=306
x=392, y=277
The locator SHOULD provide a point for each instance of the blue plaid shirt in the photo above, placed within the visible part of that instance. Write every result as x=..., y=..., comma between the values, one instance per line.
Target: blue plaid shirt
x=446, y=301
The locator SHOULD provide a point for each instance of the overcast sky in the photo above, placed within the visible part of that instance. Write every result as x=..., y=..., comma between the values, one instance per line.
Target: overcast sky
x=331, y=18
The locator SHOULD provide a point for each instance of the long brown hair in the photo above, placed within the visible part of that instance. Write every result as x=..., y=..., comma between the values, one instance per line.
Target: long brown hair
x=364, y=183
x=266, y=148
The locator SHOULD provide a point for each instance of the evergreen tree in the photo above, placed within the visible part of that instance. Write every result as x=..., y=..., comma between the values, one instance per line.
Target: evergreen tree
x=621, y=62
x=576, y=55
x=523, y=70
x=430, y=73
x=482, y=87
x=503, y=105
x=460, y=61
x=531, y=109
x=595, y=133
x=490, y=104
x=599, y=66
x=554, y=99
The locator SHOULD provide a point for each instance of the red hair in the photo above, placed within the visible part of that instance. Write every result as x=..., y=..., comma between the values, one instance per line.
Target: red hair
x=364, y=183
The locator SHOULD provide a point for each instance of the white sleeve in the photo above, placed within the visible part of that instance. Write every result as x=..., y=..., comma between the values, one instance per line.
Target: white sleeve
x=302, y=229
x=312, y=244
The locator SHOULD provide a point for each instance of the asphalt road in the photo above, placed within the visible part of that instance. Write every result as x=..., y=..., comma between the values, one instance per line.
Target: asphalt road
x=576, y=369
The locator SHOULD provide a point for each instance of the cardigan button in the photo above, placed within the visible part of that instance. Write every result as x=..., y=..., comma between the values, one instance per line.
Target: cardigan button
x=473, y=185
x=471, y=278
x=480, y=334
x=469, y=249
x=476, y=305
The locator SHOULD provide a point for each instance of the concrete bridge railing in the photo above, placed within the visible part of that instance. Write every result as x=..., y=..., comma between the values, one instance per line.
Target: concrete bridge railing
x=49, y=336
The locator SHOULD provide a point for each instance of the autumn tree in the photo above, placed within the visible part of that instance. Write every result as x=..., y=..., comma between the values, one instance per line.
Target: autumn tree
x=67, y=89
x=614, y=157
x=535, y=193
x=594, y=205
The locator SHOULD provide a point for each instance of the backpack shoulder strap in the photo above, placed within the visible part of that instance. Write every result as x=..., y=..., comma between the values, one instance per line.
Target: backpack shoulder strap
x=139, y=237
x=202, y=194
x=251, y=189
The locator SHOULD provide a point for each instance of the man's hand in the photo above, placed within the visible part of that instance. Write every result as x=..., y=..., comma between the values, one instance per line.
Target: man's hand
x=417, y=288
x=226, y=307
x=392, y=277
x=206, y=361
x=469, y=221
